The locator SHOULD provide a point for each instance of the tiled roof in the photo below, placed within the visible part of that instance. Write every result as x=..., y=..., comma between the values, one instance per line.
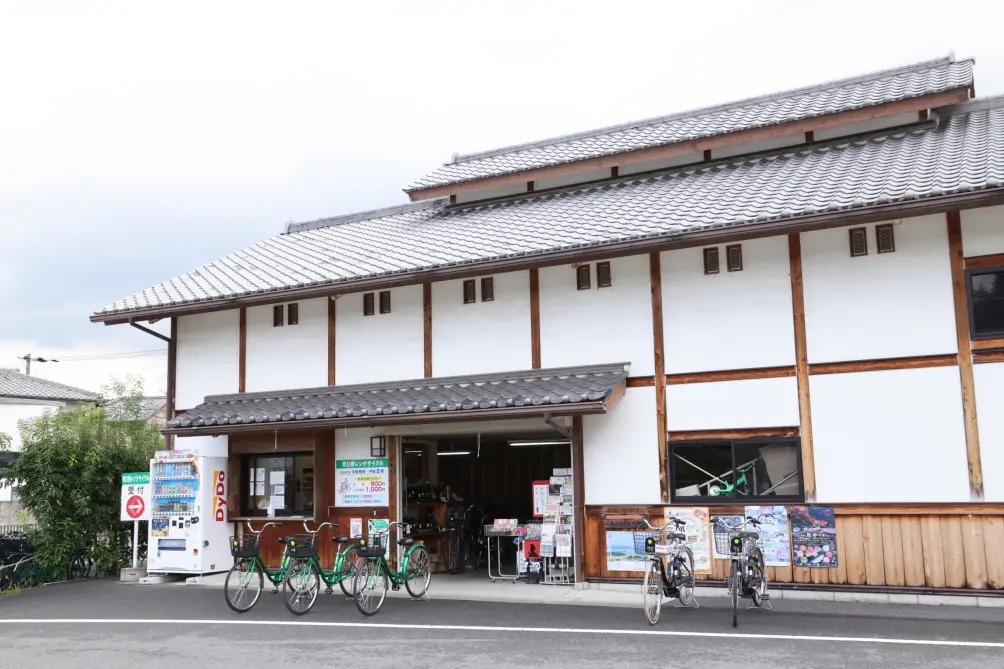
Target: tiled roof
x=925, y=78
x=550, y=390
x=963, y=152
x=14, y=384
x=147, y=406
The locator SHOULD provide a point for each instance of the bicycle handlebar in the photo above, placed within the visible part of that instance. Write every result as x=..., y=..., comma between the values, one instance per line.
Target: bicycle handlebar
x=310, y=531
x=262, y=527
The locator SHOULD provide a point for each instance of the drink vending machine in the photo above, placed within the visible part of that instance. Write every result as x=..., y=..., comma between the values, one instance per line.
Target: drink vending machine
x=189, y=528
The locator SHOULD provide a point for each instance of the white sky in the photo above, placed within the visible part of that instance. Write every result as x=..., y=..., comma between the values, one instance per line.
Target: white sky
x=139, y=140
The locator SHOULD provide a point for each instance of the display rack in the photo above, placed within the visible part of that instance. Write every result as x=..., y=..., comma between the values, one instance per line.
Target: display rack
x=499, y=534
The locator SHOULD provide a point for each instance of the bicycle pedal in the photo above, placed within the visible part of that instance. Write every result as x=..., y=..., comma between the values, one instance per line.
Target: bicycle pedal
x=765, y=597
x=328, y=591
x=395, y=587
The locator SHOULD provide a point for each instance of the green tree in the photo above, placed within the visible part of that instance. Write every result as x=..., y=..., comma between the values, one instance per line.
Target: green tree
x=69, y=474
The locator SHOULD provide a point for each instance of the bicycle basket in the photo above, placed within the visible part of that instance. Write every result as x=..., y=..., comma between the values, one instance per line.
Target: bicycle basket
x=244, y=547
x=301, y=546
x=373, y=546
x=728, y=542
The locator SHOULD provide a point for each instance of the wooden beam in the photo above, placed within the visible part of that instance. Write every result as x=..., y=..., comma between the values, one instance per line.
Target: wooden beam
x=427, y=328
x=578, y=499
x=332, y=339
x=242, y=351
x=393, y=513
x=172, y=379
x=641, y=382
x=958, y=268
x=982, y=357
x=802, y=366
x=885, y=364
x=655, y=281
x=979, y=262
x=988, y=344
x=750, y=433
x=730, y=375
x=535, y=318
x=702, y=145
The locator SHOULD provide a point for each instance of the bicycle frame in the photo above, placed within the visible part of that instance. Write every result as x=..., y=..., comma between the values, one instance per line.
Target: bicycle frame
x=399, y=577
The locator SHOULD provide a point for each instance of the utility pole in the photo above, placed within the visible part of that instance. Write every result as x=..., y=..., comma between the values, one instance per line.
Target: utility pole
x=28, y=360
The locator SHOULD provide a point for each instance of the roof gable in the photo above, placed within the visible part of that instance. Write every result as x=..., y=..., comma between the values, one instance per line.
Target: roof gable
x=14, y=384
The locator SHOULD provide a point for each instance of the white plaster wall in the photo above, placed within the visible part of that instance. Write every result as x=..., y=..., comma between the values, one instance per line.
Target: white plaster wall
x=291, y=356
x=892, y=436
x=208, y=350
x=730, y=320
x=489, y=193
x=662, y=163
x=864, y=126
x=599, y=325
x=756, y=147
x=12, y=411
x=382, y=347
x=621, y=452
x=983, y=231
x=569, y=179
x=484, y=336
x=720, y=405
x=989, y=379
x=208, y=446
x=887, y=305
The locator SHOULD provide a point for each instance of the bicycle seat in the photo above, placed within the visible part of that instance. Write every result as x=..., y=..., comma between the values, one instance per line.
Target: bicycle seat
x=750, y=535
x=677, y=536
x=405, y=541
x=283, y=540
x=340, y=540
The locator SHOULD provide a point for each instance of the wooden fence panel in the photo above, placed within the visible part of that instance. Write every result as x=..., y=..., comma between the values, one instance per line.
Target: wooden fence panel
x=892, y=550
x=913, y=551
x=934, y=556
x=955, y=558
x=975, y=552
x=993, y=541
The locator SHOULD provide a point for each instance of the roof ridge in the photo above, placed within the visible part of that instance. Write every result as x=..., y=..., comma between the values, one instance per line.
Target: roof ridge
x=837, y=83
x=974, y=105
x=365, y=215
x=43, y=381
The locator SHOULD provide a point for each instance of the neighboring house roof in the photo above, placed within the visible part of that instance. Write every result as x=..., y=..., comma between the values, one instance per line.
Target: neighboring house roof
x=16, y=385
x=559, y=391
x=958, y=156
x=935, y=76
x=117, y=410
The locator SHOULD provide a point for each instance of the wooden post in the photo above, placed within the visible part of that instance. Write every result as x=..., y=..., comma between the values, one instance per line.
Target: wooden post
x=242, y=351
x=958, y=269
x=655, y=279
x=392, y=509
x=802, y=367
x=427, y=328
x=578, y=501
x=332, y=313
x=172, y=375
x=535, y=318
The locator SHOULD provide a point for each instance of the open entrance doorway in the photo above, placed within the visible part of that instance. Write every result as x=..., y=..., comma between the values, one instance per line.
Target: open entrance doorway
x=492, y=506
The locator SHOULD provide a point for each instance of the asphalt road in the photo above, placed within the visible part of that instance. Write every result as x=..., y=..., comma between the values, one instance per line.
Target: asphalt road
x=108, y=624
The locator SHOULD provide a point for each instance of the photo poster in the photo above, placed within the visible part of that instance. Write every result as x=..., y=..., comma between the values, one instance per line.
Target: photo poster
x=626, y=551
x=723, y=524
x=813, y=536
x=698, y=531
x=539, y=498
x=775, y=540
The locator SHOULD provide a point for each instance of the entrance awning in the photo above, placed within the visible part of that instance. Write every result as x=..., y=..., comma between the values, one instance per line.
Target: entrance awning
x=559, y=392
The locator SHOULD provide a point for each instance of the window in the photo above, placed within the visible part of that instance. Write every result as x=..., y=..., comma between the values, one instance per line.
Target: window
x=711, y=261
x=293, y=313
x=368, y=308
x=277, y=316
x=582, y=279
x=384, y=301
x=487, y=289
x=986, y=302
x=767, y=469
x=859, y=242
x=469, y=292
x=734, y=257
x=603, y=277
x=285, y=478
x=885, y=240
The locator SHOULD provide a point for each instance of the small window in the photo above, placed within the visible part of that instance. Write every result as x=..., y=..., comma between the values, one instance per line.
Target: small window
x=487, y=289
x=603, y=277
x=859, y=242
x=368, y=309
x=384, y=301
x=711, y=260
x=734, y=256
x=726, y=471
x=986, y=302
x=885, y=240
x=277, y=316
x=293, y=313
x=469, y=292
x=287, y=479
x=582, y=280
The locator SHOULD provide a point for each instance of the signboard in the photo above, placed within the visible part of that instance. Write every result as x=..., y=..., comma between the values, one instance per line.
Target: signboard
x=135, y=492
x=362, y=482
x=220, y=496
x=813, y=536
x=539, y=498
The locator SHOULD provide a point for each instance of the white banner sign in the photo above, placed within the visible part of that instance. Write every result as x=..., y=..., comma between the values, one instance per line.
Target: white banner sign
x=362, y=482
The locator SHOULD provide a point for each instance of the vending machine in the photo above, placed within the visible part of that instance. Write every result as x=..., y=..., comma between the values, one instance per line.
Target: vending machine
x=189, y=529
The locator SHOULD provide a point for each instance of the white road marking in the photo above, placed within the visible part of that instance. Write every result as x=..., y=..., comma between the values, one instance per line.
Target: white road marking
x=489, y=628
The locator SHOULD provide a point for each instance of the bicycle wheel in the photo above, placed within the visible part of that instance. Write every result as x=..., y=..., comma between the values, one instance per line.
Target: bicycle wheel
x=419, y=573
x=243, y=585
x=350, y=565
x=758, y=576
x=685, y=576
x=300, y=587
x=734, y=586
x=652, y=591
x=370, y=587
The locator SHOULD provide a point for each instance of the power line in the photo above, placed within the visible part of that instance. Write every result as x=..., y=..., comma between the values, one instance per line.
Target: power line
x=124, y=355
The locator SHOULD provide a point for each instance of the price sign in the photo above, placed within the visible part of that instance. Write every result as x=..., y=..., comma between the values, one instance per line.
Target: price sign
x=362, y=482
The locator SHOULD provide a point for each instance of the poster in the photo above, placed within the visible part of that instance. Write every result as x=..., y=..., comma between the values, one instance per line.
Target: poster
x=355, y=527
x=362, y=482
x=723, y=524
x=277, y=502
x=539, y=498
x=698, y=533
x=259, y=488
x=563, y=545
x=775, y=541
x=813, y=536
x=279, y=490
x=276, y=477
x=626, y=551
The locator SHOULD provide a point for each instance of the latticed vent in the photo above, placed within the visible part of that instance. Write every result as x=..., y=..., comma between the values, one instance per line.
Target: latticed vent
x=885, y=239
x=859, y=242
x=734, y=257
x=711, y=261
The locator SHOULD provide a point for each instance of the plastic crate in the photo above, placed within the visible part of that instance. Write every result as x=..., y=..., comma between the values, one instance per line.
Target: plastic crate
x=373, y=546
x=244, y=547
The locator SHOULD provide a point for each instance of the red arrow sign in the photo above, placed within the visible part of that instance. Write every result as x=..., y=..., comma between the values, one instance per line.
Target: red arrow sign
x=135, y=506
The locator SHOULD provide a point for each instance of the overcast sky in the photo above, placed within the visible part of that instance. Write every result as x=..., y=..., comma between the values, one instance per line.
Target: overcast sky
x=139, y=140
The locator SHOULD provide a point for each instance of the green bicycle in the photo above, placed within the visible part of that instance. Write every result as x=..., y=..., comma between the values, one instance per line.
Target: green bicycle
x=244, y=581
x=304, y=574
x=373, y=575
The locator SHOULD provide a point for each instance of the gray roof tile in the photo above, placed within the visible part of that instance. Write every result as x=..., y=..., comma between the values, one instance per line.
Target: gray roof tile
x=837, y=96
x=964, y=152
x=14, y=384
x=550, y=389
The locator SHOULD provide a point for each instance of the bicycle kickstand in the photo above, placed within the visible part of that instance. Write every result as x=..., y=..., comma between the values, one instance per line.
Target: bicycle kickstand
x=764, y=603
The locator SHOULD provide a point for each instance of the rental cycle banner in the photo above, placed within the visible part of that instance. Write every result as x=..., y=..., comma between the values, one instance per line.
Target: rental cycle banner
x=364, y=482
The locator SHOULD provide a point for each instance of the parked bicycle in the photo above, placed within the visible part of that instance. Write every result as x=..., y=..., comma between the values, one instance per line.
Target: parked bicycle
x=670, y=572
x=245, y=578
x=374, y=574
x=747, y=575
x=304, y=574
